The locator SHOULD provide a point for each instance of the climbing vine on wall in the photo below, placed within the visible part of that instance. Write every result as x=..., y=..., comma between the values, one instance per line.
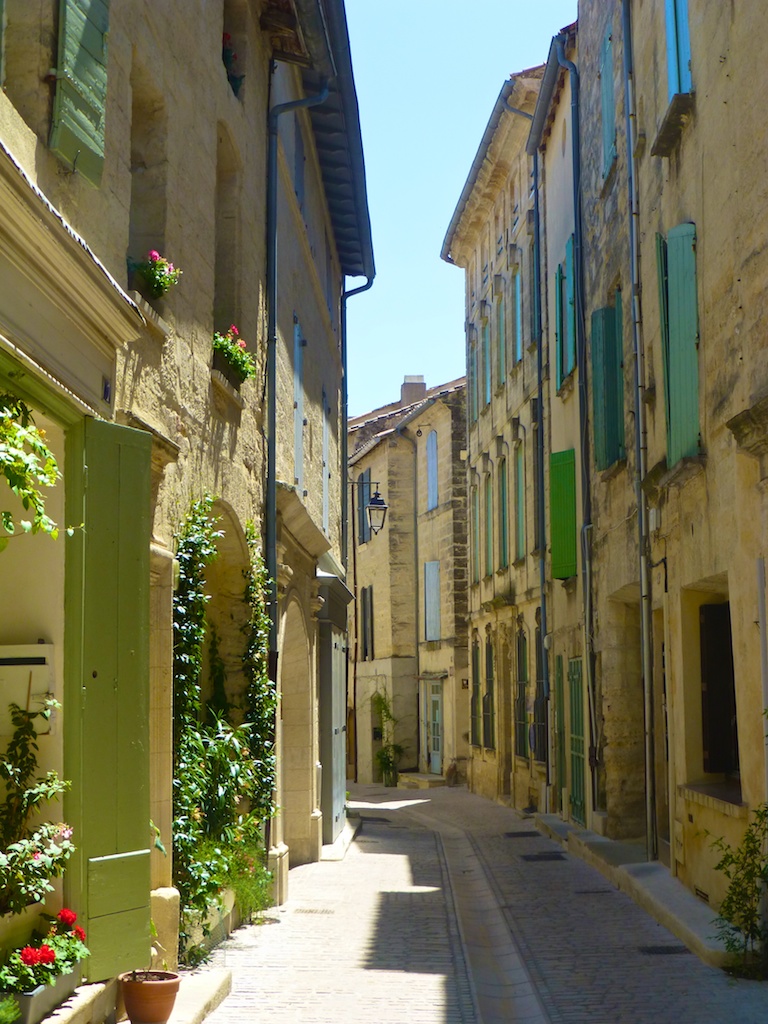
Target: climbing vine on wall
x=27, y=464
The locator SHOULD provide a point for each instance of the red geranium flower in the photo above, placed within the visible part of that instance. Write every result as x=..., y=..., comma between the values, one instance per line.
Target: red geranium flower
x=67, y=917
x=30, y=956
x=46, y=954
x=78, y=932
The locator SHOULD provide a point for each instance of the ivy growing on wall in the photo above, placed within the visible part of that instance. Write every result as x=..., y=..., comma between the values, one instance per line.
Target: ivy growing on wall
x=223, y=773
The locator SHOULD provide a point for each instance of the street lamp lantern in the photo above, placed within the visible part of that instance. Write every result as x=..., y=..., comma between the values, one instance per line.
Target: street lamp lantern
x=376, y=510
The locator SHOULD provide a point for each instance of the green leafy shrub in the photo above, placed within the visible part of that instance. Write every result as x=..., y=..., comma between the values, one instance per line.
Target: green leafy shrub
x=232, y=348
x=27, y=463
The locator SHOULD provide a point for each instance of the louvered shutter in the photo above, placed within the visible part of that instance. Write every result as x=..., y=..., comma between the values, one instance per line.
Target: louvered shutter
x=562, y=496
x=683, y=343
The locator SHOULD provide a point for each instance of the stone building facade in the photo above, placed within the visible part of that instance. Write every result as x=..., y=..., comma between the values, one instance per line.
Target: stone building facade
x=164, y=145
x=409, y=641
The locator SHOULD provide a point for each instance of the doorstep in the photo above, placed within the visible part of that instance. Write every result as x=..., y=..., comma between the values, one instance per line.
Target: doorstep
x=649, y=883
x=419, y=780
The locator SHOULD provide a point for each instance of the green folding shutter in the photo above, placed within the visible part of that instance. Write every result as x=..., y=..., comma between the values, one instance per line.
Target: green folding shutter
x=600, y=319
x=570, y=312
x=77, y=127
x=683, y=343
x=608, y=111
x=562, y=497
x=106, y=695
x=559, y=327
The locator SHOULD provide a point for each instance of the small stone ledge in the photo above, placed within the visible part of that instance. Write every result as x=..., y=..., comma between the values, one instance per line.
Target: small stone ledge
x=155, y=322
x=706, y=796
x=223, y=386
x=675, y=119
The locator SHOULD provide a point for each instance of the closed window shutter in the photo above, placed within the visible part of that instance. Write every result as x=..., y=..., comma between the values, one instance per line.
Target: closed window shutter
x=559, y=327
x=432, y=498
x=486, y=363
x=570, y=311
x=608, y=385
x=683, y=344
x=371, y=654
x=503, y=524
x=608, y=110
x=562, y=496
x=678, y=48
x=475, y=535
x=661, y=270
x=488, y=525
x=432, y=600
x=502, y=340
x=519, y=502
x=77, y=128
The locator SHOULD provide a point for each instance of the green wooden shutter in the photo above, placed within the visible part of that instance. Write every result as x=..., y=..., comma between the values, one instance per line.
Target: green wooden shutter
x=77, y=128
x=562, y=497
x=560, y=765
x=608, y=110
x=683, y=343
x=519, y=502
x=570, y=312
x=600, y=320
x=661, y=270
x=106, y=699
x=559, y=327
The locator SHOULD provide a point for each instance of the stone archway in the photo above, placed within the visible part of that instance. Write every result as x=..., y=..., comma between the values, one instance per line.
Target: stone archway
x=298, y=759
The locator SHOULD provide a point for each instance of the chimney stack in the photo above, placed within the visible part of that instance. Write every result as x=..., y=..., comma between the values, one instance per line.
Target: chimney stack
x=413, y=389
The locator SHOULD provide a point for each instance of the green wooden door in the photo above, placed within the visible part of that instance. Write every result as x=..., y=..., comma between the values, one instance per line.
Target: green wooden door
x=106, y=705
x=576, y=695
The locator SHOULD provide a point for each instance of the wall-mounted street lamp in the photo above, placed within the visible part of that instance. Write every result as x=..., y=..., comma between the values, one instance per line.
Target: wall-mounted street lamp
x=376, y=510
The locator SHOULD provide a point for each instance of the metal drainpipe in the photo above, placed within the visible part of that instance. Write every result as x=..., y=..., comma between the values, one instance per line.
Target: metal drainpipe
x=581, y=351
x=641, y=444
x=417, y=577
x=539, y=436
x=270, y=530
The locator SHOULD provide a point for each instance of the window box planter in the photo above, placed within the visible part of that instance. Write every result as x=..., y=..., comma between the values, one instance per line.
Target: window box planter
x=37, y=1004
x=227, y=370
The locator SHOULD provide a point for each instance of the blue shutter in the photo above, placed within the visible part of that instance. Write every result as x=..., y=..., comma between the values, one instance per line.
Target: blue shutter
x=77, y=126
x=679, y=78
x=683, y=343
x=562, y=497
x=432, y=494
x=518, y=318
x=559, y=327
x=608, y=110
x=488, y=525
x=432, y=600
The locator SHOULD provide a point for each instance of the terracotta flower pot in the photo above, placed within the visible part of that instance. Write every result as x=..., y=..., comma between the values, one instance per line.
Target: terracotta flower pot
x=149, y=995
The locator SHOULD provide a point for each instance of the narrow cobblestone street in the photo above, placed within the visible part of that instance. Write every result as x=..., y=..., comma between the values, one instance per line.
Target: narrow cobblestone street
x=438, y=912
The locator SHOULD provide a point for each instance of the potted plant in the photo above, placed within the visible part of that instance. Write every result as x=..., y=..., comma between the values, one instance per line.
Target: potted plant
x=155, y=275
x=229, y=59
x=45, y=972
x=389, y=754
x=149, y=995
x=231, y=358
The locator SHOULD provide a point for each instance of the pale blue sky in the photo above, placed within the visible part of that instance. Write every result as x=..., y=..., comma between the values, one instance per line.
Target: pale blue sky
x=428, y=73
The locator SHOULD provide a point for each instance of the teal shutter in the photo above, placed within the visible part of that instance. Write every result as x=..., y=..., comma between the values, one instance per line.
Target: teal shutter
x=475, y=535
x=519, y=502
x=106, y=700
x=77, y=127
x=570, y=311
x=608, y=110
x=488, y=525
x=432, y=492
x=562, y=497
x=486, y=362
x=559, y=327
x=503, y=516
x=608, y=385
x=432, y=600
x=678, y=48
x=683, y=344
x=661, y=270
x=600, y=321
x=501, y=325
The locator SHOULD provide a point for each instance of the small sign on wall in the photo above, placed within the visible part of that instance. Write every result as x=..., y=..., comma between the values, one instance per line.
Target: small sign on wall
x=27, y=679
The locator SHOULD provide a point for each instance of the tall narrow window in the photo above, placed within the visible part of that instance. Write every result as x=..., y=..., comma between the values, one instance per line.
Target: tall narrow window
x=501, y=340
x=565, y=316
x=678, y=48
x=607, y=105
x=298, y=406
x=503, y=516
x=432, y=600
x=475, y=535
x=517, y=298
x=474, y=399
x=488, y=525
x=540, y=700
x=536, y=437
x=521, y=694
x=326, y=463
x=475, y=710
x=519, y=502
x=362, y=498
x=366, y=624
x=608, y=384
x=227, y=227
x=678, y=300
x=489, y=711
x=718, y=694
x=562, y=513
x=149, y=162
x=432, y=496
x=487, y=376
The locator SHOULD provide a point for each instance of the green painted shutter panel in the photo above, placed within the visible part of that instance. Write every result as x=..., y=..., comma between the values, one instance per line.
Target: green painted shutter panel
x=608, y=110
x=560, y=766
x=661, y=271
x=77, y=128
x=559, y=327
x=570, y=312
x=600, y=318
x=107, y=690
x=562, y=496
x=683, y=343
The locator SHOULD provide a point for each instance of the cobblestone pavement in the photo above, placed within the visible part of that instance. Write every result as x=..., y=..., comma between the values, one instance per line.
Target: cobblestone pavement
x=376, y=937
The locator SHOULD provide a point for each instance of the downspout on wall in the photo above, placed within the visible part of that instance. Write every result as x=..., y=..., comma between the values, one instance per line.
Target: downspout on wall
x=581, y=353
x=641, y=443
